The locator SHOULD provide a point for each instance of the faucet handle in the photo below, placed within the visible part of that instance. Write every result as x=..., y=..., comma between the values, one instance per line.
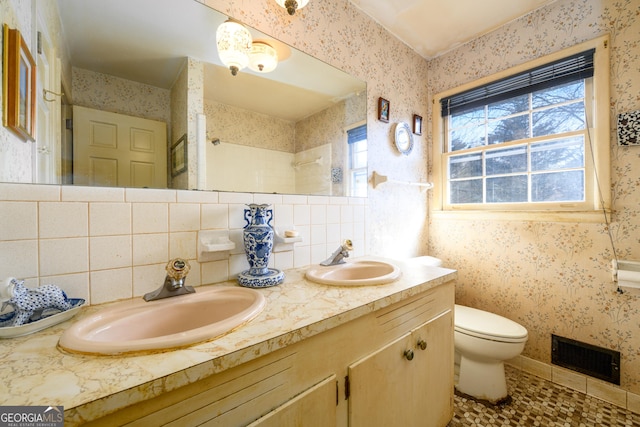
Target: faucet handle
x=178, y=268
x=347, y=245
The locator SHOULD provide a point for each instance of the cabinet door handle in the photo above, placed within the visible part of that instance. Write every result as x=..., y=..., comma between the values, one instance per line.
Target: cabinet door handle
x=422, y=344
x=408, y=354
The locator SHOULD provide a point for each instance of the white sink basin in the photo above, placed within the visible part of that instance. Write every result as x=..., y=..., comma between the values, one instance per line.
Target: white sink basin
x=355, y=273
x=137, y=325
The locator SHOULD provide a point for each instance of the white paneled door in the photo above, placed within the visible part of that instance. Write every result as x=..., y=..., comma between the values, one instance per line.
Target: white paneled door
x=117, y=150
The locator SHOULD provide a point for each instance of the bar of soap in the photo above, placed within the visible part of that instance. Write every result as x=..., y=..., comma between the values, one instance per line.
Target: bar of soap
x=290, y=233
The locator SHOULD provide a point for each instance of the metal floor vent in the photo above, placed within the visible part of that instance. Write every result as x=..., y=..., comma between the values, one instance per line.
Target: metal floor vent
x=585, y=358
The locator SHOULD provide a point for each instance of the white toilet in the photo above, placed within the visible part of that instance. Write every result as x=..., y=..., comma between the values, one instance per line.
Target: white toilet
x=483, y=341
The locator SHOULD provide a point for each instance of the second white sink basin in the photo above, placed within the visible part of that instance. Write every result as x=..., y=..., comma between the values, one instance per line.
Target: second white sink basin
x=137, y=325
x=355, y=273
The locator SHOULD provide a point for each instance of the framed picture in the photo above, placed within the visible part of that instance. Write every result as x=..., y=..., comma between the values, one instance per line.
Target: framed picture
x=417, y=124
x=179, y=156
x=383, y=110
x=18, y=85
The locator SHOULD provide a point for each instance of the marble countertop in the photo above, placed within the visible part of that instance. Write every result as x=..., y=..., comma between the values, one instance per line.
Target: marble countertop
x=36, y=372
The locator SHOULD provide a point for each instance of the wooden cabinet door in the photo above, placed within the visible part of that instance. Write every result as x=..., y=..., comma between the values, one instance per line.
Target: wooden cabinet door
x=315, y=407
x=389, y=389
x=381, y=387
x=433, y=379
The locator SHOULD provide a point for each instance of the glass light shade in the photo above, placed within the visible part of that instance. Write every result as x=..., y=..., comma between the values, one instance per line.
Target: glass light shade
x=292, y=5
x=263, y=58
x=234, y=45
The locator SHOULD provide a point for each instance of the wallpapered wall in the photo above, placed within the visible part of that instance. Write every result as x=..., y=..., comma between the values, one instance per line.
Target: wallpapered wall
x=551, y=277
x=336, y=32
x=554, y=277
x=15, y=155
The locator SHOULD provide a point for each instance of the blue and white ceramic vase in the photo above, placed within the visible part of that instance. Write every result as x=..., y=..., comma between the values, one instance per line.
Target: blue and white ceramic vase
x=258, y=238
x=258, y=244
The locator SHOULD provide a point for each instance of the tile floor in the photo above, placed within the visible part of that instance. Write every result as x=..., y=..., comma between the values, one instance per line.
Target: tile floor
x=537, y=402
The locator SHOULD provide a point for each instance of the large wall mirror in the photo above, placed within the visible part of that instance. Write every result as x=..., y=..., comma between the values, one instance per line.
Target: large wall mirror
x=289, y=131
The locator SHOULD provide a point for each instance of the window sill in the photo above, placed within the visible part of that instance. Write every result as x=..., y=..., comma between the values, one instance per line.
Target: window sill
x=537, y=216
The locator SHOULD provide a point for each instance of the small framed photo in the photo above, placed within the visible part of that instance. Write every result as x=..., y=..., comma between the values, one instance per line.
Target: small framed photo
x=19, y=85
x=417, y=124
x=383, y=110
x=179, y=156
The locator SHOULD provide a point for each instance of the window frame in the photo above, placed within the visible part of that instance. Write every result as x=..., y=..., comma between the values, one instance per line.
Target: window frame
x=348, y=176
x=597, y=150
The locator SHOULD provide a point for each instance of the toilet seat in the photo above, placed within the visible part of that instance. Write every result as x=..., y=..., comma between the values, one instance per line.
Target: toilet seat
x=489, y=326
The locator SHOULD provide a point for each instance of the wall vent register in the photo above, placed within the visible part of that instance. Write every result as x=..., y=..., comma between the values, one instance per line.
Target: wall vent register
x=585, y=358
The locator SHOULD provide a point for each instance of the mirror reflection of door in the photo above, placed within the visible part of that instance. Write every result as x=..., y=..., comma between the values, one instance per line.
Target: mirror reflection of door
x=66, y=142
x=117, y=150
x=47, y=145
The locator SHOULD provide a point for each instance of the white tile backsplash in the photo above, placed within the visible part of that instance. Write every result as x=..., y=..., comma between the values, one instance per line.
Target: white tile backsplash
x=216, y=271
x=235, y=198
x=293, y=199
x=111, y=285
x=318, y=234
x=105, y=244
x=19, y=258
x=301, y=256
x=214, y=216
x=283, y=260
x=150, y=195
x=236, y=215
x=346, y=214
x=73, y=193
x=301, y=215
x=183, y=245
x=150, y=248
x=283, y=215
x=109, y=252
x=23, y=223
x=147, y=278
x=185, y=196
x=63, y=219
x=150, y=217
x=34, y=192
x=184, y=217
x=63, y=256
x=333, y=214
x=106, y=219
x=74, y=285
x=318, y=214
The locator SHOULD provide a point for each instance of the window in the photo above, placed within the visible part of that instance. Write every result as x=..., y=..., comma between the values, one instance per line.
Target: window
x=357, y=162
x=533, y=138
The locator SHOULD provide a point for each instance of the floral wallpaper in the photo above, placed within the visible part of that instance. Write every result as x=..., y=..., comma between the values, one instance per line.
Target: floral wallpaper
x=238, y=126
x=338, y=33
x=109, y=93
x=15, y=155
x=554, y=277
x=551, y=277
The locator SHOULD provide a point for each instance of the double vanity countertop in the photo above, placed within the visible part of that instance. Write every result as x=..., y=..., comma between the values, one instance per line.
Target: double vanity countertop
x=36, y=372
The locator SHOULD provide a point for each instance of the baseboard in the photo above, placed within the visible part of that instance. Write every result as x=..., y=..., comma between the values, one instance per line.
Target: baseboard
x=590, y=386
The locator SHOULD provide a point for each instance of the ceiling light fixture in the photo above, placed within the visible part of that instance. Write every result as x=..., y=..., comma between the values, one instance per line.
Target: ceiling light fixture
x=263, y=57
x=292, y=5
x=234, y=45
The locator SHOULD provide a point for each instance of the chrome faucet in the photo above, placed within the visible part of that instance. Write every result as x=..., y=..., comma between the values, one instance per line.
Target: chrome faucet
x=177, y=270
x=338, y=256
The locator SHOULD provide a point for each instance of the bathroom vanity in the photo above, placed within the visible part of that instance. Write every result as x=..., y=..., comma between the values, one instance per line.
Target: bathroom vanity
x=318, y=355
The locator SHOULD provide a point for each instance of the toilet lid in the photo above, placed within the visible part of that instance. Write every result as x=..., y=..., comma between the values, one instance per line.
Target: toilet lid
x=484, y=324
